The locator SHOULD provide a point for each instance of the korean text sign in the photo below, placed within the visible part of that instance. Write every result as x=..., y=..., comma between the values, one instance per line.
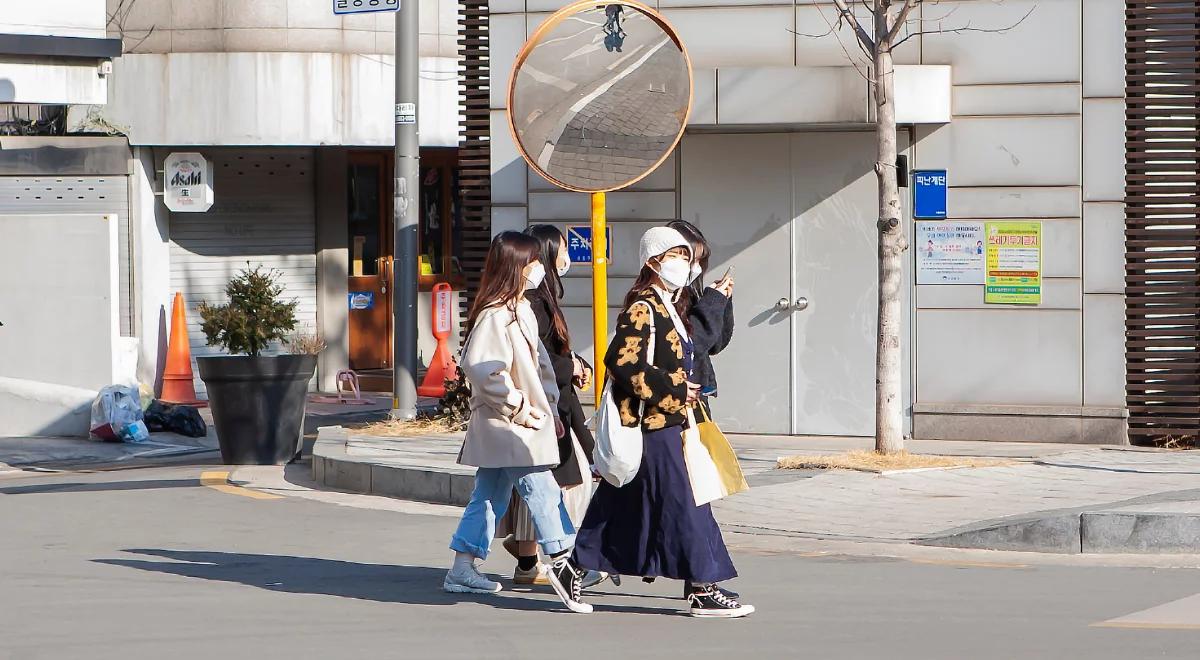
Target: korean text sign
x=1014, y=263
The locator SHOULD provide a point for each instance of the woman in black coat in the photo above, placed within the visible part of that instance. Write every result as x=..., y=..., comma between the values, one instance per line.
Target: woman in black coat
x=575, y=446
x=711, y=311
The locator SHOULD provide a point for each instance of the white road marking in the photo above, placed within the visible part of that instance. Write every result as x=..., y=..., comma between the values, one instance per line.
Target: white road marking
x=548, y=150
x=547, y=78
x=1182, y=614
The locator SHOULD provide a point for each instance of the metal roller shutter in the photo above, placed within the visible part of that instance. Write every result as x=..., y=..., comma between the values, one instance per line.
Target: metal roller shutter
x=79, y=194
x=264, y=213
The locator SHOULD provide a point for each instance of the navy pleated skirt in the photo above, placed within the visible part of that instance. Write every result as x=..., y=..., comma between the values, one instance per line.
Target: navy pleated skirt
x=652, y=527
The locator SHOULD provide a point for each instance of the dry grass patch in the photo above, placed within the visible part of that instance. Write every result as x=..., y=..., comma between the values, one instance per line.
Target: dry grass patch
x=416, y=427
x=869, y=461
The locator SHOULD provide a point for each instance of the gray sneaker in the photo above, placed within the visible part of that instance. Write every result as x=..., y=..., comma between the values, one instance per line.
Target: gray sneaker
x=594, y=578
x=469, y=581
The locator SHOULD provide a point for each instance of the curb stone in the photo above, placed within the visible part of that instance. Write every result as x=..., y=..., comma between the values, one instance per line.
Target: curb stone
x=334, y=467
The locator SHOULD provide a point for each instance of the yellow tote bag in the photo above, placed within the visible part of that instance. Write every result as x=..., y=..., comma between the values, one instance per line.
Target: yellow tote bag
x=728, y=468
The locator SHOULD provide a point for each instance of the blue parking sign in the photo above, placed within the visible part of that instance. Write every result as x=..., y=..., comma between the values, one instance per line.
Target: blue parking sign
x=929, y=194
x=579, y=243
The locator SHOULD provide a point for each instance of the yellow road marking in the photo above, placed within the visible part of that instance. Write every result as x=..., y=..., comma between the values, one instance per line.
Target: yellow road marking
x=1148, y=626
x=965, y=564
x=220, y=481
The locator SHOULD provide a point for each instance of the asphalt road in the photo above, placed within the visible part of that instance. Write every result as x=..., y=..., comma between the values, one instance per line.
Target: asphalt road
x=150, y=563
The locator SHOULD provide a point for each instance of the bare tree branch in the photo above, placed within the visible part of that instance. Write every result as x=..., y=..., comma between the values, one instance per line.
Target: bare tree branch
x=901, y=20
x=845, y=13
x=117, y=19
x=964, y=29
x=833, y=30
x=828, y=32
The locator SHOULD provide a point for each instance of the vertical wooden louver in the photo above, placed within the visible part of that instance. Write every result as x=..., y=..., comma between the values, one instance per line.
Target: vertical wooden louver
x=474, y=151
x=1162, y=234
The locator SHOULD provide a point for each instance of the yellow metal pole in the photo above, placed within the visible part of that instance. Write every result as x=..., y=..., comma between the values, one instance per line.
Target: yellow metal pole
x=599, y=289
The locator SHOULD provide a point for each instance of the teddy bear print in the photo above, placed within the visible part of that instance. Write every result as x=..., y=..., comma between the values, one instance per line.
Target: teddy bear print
x=655, y=421
x=640, y=388
x=639, y=316
x=676, y=344
x=627, y=416
x=670, y=404
x=678, y=377
x=628, y=354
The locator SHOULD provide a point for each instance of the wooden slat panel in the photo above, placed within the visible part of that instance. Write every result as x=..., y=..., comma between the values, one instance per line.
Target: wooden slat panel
x=1162, y=233
x=474, y=141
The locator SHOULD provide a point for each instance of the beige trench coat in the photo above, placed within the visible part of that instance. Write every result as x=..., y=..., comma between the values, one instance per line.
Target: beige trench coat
x=510, y=375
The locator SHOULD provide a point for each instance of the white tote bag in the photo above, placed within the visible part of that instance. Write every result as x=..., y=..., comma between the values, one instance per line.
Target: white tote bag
x=702, y=470
x=618, y=450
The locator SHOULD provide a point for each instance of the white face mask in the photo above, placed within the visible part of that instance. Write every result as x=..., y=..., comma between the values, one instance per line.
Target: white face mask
x=562, y=270
x=537, y=273
x=696, y=270
x=674, y=273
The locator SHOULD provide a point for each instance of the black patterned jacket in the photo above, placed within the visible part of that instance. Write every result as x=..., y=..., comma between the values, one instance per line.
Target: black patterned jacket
x=660, y=383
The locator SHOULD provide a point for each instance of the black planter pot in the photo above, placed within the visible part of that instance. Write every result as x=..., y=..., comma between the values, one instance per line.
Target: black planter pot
x=257, y=405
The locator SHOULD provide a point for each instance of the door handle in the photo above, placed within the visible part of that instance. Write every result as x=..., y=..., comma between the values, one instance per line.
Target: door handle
x=384, y=266
x=801, y=304
x=783, y=305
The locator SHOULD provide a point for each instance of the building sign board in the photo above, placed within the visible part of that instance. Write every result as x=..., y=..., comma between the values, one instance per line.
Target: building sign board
x=364, y=6
x=950, y=253
x=187, y=182
x=1014, y=263
x=929, y=193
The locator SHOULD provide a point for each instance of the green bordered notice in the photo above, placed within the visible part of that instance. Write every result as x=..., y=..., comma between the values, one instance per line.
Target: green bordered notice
x=1014, y=263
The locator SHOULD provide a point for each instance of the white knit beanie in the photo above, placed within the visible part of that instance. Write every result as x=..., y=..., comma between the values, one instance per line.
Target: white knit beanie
x=658, y=240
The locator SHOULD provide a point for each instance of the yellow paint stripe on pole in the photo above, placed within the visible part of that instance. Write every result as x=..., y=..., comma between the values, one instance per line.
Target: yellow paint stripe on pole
x=599, y=289
x=220, y=481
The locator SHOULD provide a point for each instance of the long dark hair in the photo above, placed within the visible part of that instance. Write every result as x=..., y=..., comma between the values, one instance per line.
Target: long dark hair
x=551, y=239
x=701, y=252
x=645, y=282
x=503, y=282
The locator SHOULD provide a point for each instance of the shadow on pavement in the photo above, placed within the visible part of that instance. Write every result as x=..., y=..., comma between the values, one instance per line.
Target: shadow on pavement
x=384, y=583
x=78, y=487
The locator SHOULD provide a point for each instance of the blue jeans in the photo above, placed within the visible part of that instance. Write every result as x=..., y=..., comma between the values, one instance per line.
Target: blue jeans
x=489, y=500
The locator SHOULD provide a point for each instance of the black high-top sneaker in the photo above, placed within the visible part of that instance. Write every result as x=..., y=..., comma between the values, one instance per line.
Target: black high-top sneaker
x=708, y=601
x=567, y=580
x=688, y=588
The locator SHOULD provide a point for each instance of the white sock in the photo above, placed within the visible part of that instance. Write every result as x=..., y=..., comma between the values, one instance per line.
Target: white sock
x=463, y=561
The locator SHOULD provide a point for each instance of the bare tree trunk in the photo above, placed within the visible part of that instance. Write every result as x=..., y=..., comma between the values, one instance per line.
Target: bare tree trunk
x=889, y=415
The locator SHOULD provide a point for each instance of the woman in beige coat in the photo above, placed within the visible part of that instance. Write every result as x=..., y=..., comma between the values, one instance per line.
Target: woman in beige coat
x=512, y=437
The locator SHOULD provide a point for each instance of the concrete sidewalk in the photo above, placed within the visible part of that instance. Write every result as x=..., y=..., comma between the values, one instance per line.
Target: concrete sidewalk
x=1052, y=498
x=60, y=453
x=54, y=453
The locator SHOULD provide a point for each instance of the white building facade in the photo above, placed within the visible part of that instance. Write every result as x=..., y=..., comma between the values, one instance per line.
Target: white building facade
x=292, y=105
x=1024, y=112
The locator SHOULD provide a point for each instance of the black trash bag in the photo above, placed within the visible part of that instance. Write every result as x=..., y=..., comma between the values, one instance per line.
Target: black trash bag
x=181, y=419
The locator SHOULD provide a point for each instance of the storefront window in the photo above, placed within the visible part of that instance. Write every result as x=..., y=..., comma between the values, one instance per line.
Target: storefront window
x=365, y=217
x=370, y=222
x=441, y=217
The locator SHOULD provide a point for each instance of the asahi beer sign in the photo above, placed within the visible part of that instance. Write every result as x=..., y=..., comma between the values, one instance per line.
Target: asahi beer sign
x=187, y=183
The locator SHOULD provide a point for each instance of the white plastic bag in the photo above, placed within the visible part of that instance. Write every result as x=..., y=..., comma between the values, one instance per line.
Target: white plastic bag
x=115, y=408
x=618, y=450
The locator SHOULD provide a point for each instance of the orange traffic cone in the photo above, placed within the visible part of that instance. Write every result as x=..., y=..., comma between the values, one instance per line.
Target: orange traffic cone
x=441, y=367
x=178, y=385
